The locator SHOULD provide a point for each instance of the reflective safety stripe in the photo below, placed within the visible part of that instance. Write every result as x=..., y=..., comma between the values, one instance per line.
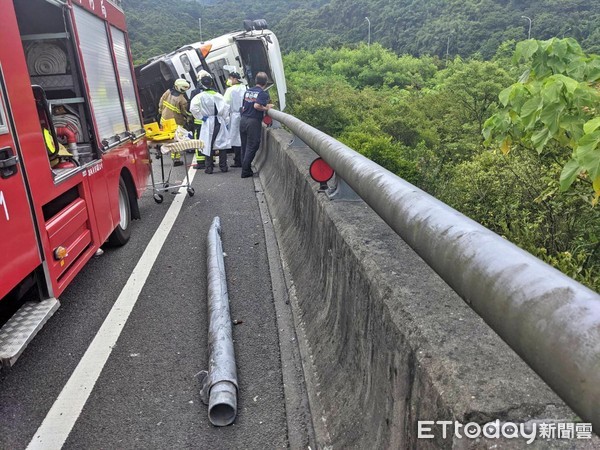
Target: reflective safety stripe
x=198, y=121
x=49, y=140
x=171, y=107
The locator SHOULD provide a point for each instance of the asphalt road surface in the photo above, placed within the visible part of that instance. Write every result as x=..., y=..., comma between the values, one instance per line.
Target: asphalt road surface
x=147, y=394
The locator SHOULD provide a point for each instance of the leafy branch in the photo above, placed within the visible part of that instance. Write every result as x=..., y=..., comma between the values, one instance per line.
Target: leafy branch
x=557, y=100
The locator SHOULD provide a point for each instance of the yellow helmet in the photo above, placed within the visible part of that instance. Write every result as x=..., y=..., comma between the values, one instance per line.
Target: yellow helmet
x=181, y=85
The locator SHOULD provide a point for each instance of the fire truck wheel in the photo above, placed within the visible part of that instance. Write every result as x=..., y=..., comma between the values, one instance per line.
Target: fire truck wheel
x=122, y=233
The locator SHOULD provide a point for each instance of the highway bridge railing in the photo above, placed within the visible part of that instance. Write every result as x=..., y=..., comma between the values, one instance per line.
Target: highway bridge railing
x=551, y=321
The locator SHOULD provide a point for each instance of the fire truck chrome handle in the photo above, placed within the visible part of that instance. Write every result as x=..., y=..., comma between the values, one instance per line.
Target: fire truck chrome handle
x=8, y=162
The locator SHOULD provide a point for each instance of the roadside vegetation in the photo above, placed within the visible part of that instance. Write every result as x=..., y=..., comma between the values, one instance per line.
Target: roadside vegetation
x=512, y=142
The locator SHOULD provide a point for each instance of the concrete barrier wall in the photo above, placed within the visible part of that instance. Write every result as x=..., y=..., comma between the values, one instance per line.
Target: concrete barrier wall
x=385, y=341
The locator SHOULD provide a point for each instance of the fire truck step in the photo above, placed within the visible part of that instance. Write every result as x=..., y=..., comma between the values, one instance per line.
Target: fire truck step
x=22, y=327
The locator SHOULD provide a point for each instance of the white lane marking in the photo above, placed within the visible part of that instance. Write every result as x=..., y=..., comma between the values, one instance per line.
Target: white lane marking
x=55, y=429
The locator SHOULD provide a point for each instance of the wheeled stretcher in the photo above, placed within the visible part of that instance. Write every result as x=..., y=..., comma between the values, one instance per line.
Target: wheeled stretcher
x=164, y=147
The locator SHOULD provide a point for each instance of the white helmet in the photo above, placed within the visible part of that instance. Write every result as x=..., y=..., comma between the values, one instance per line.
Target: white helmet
x=181, y=85
x=203, y=73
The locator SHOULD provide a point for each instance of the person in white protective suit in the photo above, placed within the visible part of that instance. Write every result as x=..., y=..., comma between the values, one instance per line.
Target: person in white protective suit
x=234, y=96
x=200, y=157
x=210, y=107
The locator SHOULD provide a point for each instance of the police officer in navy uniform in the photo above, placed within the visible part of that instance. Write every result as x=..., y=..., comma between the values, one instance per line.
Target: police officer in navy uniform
x=256, y=102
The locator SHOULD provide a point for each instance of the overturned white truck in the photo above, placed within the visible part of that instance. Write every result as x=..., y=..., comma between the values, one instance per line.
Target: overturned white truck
x=256, y=49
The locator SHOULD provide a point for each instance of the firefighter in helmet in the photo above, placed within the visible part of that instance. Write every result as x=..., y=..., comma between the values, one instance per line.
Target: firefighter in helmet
x=174, y=105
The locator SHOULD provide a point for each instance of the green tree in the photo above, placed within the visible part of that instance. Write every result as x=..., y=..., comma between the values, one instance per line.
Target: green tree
x=425, y=27
x=554, y=108
x=429, y=134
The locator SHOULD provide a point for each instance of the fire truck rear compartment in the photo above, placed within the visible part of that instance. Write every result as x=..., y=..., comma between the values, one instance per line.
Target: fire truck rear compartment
x=49, y=49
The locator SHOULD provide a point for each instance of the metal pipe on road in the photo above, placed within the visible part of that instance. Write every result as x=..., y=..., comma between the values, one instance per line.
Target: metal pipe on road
x=219, y=384
x=549, y=319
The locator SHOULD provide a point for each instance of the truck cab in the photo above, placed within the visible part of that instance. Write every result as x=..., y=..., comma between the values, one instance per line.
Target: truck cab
x=247, y=52
x=159, y=73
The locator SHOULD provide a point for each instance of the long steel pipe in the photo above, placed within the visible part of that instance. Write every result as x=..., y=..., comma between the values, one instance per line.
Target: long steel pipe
x=549, y=319
x=219, y=384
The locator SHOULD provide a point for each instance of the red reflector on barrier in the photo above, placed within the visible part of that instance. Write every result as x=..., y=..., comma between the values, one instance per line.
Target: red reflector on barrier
x=320, y=171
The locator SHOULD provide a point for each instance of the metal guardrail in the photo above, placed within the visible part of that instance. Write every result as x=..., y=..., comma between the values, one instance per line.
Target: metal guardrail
x=547, y=318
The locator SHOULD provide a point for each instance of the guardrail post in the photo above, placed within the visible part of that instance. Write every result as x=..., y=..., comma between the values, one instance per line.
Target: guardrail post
x=296, y=142
x=340, y=191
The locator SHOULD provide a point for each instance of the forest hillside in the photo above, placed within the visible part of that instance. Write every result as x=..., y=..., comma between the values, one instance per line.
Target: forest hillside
x=415, y=27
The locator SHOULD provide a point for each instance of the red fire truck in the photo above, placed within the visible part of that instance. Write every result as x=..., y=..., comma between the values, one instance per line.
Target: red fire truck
x=73, y=159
